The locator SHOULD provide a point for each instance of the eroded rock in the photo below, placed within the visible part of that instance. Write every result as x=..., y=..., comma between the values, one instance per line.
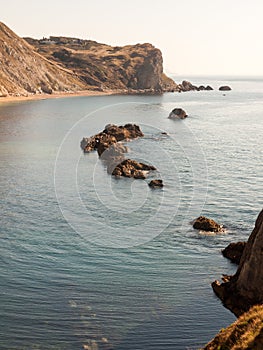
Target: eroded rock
x=234, y=251
x=177, y=113
x=206, y=224
x=157, y=183
x=225, y=88
x=245, y=288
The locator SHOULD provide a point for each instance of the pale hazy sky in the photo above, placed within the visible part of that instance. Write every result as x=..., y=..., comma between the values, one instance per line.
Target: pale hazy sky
x=196, y=36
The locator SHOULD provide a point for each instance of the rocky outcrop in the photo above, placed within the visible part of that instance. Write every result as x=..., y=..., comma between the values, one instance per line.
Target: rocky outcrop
x=187, y=86
x=245, y=288
x=206, y=224
x=132, y=168
x=131, y=68
x=156, y=183
x=225, y=88
x=234, y=251
x=177, y=113
x=112, y=153
x=110, y=135
x=244, y=334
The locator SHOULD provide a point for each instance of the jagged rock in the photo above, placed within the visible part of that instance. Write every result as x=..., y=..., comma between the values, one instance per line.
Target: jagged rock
x=245, y=288
x=111, y=134
x=225, y=88
x=132, y=168
x=177, y=113
x=204, y=88
x=206, y=224
x=156, y=183
x=187, y=86
x=234, y=251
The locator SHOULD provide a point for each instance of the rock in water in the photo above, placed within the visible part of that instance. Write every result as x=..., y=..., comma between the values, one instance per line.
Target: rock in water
x=245, y=288
x=206, y=224
x=111, y=134
x=234, y=251
x=178, y=113
x=132, y=168
x=156, y=183
x=225, y=88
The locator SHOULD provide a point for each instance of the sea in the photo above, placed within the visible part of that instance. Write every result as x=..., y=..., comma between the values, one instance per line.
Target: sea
x=92, y=262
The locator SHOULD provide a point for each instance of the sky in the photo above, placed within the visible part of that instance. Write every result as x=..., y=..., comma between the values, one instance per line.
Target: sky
x=196, y=37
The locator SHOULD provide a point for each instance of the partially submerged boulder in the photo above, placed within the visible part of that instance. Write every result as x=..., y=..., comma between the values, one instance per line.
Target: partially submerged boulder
x=177, y=113
x=111, y=134
x=132, y=168
x=206, y=224
x=225, y=88
x=245, y=288
x=234, y=251
x=157, y=183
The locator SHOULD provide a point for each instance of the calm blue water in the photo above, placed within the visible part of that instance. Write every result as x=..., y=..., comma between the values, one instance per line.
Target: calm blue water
x=87, y=259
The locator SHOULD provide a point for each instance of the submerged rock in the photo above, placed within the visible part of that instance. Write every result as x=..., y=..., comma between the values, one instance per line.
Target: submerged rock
x=156, y=183
x=177, y=113
x=234, y=251
x=245, y=288
x=206, y=224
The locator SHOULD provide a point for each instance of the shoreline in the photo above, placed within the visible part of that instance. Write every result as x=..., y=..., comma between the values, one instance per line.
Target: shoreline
x=12, y=99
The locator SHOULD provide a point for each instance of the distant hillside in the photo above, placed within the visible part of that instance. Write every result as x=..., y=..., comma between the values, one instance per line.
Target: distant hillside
x=57, y=64
x=24, y=71
x=100, y=66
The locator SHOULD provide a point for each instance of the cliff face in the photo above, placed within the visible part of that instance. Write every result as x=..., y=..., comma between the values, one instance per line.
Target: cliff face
x=102, y=67
x=24, y=71
x=245, y=288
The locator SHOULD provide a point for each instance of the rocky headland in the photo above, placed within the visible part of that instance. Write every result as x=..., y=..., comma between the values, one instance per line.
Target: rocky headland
x=60, y=64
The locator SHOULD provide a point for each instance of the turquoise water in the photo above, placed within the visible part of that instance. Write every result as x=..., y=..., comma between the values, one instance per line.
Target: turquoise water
x=89, y=259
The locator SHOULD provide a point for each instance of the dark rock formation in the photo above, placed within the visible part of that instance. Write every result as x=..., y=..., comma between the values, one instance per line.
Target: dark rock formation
x=225, y=88
x=245, y=288
x=110, y=135
x=177, y=113
x=206, y=224
x=156, y=183
x=111, y=152
x=132, y=168
x=234, y=251
x=187, y=86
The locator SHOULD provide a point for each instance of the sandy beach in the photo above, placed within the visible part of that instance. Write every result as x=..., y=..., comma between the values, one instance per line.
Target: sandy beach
x=13, y=99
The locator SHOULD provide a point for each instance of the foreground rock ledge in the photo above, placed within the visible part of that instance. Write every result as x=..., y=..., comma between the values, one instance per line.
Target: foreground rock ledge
x=245, y=288
x=246, y=333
